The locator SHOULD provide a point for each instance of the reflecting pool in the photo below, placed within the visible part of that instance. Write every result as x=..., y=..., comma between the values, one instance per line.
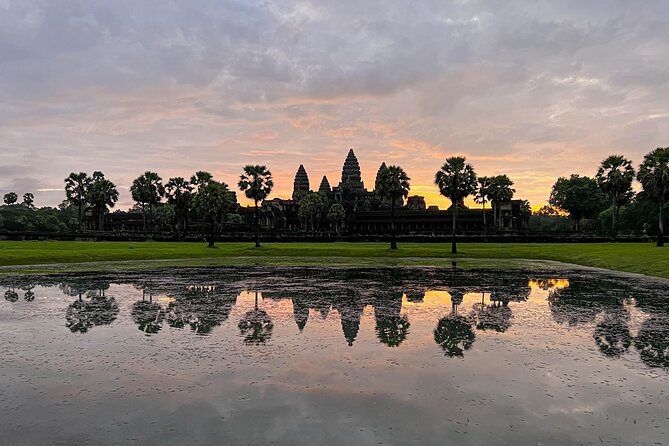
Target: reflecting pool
x=340, y=356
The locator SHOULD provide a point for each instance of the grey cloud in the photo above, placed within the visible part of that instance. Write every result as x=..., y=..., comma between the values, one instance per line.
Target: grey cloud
x=129, y=85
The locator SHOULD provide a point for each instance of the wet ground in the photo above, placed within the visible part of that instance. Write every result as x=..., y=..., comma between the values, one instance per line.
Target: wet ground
x=340, y=356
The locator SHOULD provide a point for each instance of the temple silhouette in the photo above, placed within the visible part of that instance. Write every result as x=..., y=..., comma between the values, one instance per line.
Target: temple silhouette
x=368, y=213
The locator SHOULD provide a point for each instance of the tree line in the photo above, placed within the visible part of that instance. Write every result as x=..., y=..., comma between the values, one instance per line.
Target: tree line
x=579, y=197
x=210, y=200
x=611, y=190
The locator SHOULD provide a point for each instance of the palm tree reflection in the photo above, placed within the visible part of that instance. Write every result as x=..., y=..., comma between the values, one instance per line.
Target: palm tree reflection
x=256, y=326
x=94, y=310
x=612, y=334
x=454, y=333
x=392, y=327
x=201, y=307
x=148, y=315
x=11, y=295
x=652, y=341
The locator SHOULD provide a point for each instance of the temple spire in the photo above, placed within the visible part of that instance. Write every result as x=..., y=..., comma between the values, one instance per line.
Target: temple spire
x=350, y=175
x=301, y=184
x=325, y=188
x=378, y=174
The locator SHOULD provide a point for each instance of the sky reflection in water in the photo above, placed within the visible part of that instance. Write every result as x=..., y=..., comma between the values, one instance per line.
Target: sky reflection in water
x=334, y=356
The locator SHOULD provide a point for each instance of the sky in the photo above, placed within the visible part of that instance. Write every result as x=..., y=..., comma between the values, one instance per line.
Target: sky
x=533, y=89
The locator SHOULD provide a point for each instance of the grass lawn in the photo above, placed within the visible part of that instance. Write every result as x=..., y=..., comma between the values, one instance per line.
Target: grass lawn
x=643, y=258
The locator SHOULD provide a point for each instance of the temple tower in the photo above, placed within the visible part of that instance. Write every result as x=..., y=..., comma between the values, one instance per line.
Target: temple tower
x=325, y=188
x=301, y=184
x=378, y=174
x=351, y=178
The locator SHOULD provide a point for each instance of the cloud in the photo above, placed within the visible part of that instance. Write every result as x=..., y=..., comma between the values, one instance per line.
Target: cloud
x=534, y=90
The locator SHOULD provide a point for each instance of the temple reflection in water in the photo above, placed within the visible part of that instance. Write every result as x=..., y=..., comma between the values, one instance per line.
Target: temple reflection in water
x=453, y=307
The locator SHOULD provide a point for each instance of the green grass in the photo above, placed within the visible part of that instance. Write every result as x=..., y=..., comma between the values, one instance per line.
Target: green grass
x=643, y=258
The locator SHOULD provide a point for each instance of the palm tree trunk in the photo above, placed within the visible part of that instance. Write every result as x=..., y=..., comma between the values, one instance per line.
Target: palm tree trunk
x=484, y=219
x=144, y=217
x=257, y=225
x=393, y=241
x=660, y=236
x=613, y=219
x=151, y=219
x=494, y=216
x=81, y=222
x=212, y=233
x=454, y=248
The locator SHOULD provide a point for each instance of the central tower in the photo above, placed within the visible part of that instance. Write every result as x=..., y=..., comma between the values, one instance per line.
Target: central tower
x=351, y=179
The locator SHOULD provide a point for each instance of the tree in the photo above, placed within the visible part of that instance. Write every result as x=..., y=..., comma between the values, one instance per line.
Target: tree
x=102, y=194
x=456, y=180
x=212, y=203
x=392, y=183
x=179, y=194
x=615, y=176
x=654, y=177
x=256, y=183
x=200, y=178
x=29, y=200
x=10, y=198
x=483, y=196
x=337, y=215
x=500, y=191
x=580, y=196
x=165, y=216
x=312, y=208
x=147, y=190
x=76, y=191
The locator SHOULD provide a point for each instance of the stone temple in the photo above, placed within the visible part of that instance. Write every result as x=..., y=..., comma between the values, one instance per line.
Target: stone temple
x=367, y=213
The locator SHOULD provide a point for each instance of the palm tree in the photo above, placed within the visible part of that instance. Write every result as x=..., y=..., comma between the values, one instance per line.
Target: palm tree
x=500, y=192
x=179, y=194
x=102, y=194
x=76, y=191
x=256, y=183
x=615, y=176
x=654, y=177
x=392, y=183
x=200, y=178
x=456, y=181
x=483, y=196
x=29, y=200
x=212, y=203
x=147, y=190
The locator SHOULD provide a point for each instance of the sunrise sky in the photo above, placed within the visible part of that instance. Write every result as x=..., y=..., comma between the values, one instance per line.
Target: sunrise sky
x=533, y=89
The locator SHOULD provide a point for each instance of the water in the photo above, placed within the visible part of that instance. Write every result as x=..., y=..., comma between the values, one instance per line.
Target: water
x=334, y=356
